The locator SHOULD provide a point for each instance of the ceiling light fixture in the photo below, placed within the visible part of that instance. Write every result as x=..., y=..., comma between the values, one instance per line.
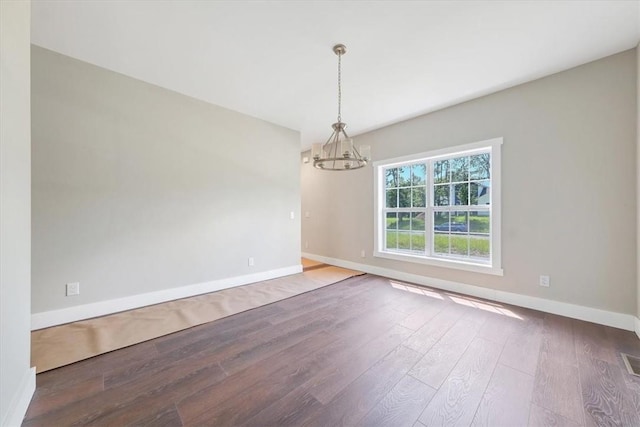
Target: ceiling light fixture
x=339, y=154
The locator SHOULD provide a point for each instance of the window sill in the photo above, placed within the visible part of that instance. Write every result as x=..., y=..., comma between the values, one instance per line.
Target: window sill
x=439, y=262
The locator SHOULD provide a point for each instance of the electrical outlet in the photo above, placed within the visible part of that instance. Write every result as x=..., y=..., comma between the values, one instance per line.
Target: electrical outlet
x=306, y=245
x=307, y=214
x=251, y=262
x=73, y=289
x=544, y=281
x=292, y=215
x=363, y=254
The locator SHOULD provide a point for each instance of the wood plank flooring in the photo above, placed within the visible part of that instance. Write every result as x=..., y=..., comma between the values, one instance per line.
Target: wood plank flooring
x=367, y=351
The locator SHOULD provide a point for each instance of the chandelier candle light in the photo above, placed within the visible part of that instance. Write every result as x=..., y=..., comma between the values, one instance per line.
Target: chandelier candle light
x=338, y=153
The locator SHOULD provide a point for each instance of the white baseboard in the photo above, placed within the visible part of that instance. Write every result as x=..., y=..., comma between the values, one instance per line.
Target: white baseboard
x=20, y=403
x=86, y=311
x=608, y=318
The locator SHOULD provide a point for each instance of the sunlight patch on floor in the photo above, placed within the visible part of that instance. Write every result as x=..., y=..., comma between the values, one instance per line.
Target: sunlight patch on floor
x=413, y=289
x=493, y=308
x=489, y=306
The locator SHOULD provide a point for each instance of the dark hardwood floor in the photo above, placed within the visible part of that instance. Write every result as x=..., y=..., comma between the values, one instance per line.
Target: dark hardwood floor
x=367, y=351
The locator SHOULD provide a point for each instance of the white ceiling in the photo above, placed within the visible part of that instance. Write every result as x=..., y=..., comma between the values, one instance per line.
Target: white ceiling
x=273, y=59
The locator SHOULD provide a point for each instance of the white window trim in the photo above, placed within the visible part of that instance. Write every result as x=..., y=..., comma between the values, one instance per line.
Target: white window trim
x=495, y=267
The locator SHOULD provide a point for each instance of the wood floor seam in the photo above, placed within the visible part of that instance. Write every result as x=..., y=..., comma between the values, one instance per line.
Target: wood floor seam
x=583, y=421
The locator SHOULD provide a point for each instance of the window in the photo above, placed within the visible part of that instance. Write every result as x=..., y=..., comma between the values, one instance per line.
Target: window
x=441, y=208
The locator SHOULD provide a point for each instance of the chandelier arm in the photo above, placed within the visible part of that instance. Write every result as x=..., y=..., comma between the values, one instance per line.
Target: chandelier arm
x=336, y=143
x=329, y=140
x=353, y=147
x=328, y=145
x=358, y=156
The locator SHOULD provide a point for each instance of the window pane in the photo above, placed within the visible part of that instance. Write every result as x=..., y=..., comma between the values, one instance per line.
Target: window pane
x=391, y=177
x=404, y=240
x=404, y=176
x=392, y=240
x=479, y=221
x=392, y=198
x=480, y=166
x=404, y=196
x=417, y=221
x=441, y=244
x=441, y=172
x=480, y=247
x=417, y=242
x=441, y=195
x=459, y=169
x=392, y=221
x=418, y=174
x=460, y=245
x=441, y=221
x=483, y=190
x=404, y=221
x=418, y=197
x=473, y=193
x=459, y=223
x=461, y=194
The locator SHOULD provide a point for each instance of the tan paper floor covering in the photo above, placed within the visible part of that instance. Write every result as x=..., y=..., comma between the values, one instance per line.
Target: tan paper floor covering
x=309, y=263
x=64, y=344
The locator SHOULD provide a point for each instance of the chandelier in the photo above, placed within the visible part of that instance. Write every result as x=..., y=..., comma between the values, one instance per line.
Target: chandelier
x=339, y=153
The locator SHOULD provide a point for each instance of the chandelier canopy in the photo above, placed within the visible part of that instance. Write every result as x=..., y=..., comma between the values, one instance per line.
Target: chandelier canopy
x=339, y=153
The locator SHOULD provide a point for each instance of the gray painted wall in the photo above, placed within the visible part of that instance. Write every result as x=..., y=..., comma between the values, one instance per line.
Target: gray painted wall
x=568, y=188
x=15, y=206
x=139, y=189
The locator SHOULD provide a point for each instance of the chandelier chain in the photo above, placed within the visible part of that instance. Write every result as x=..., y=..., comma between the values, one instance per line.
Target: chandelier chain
x=339, y=88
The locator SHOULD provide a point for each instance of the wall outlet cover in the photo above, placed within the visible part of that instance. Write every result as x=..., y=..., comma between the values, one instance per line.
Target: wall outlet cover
x=544, y=281
x=73, y=289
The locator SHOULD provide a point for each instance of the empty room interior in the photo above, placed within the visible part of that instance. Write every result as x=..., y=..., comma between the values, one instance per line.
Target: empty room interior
x=319, y=213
